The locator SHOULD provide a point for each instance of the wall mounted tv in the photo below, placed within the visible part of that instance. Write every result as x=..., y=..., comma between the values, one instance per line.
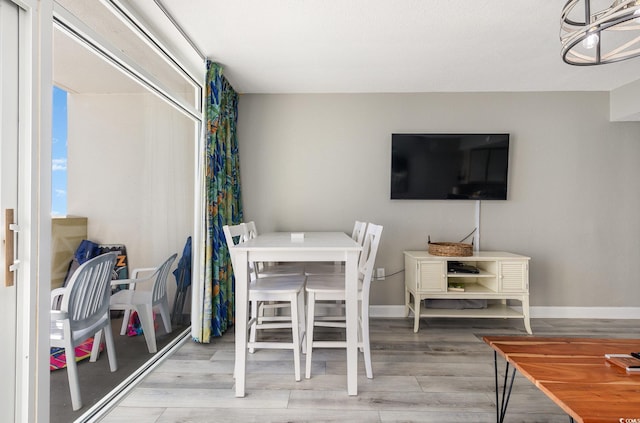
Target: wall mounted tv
x=449, y=166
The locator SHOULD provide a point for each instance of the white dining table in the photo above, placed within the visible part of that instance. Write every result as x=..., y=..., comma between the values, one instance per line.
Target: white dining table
x=297, y=247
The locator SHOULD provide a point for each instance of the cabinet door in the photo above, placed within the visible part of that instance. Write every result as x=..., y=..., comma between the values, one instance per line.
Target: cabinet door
x=432, y=276
x=514, y=276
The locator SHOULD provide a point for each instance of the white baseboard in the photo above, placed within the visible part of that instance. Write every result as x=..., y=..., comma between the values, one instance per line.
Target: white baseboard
x=537, y=312
x=585, y=312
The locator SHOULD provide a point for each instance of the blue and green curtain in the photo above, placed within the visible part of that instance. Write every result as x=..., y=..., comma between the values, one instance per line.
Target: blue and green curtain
x=222, y=203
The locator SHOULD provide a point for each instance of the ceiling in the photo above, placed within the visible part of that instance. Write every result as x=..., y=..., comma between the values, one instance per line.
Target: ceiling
x=349, y=46
x=318, y=46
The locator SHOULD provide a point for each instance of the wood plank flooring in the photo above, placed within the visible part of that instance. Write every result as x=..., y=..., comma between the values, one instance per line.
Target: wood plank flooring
x=444, y=373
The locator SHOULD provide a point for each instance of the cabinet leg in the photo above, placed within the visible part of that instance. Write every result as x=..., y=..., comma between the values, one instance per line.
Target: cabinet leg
x=525, y=313
x=416, y=312
x=407, y=299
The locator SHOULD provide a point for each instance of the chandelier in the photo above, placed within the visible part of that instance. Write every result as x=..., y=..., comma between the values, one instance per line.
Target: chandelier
x=594, y=32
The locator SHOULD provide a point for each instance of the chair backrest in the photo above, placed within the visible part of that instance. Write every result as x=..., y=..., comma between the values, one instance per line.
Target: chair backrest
x=86, y=300
x=235, y=234
x=251, y=232
x=359, y=229
x=368, y=258
x=160, y=285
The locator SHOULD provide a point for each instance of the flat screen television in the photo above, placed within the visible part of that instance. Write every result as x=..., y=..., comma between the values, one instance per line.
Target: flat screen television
x=449, y=166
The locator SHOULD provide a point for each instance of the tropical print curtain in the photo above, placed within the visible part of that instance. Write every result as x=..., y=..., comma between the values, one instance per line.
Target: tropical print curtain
x=222, y=203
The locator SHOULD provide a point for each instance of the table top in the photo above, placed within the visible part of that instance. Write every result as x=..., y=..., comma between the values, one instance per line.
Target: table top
x=574, y=373
x=329, y=241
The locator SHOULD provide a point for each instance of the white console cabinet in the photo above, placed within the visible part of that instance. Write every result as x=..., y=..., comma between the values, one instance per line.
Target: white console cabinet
x=501, y=276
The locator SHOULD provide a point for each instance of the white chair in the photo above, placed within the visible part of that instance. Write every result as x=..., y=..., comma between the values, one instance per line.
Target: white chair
x=271, y=269
x=83, y=313
x=321, y=268
x=152, y=297
x=337, y=268
x=261, y=269
x=282, y=289
x=331, y=288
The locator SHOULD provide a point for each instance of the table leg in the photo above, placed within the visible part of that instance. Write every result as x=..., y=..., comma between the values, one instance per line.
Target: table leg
x=242, y=317
x=351, y=310
x=501, y=404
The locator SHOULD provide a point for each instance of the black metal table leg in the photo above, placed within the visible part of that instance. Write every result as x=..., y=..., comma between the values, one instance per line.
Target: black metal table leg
x=501, y=405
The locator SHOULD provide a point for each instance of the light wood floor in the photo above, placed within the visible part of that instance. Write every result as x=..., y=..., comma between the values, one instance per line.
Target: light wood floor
x=444, y=373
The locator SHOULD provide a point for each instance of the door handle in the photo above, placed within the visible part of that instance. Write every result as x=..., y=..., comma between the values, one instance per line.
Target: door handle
x=9, y=228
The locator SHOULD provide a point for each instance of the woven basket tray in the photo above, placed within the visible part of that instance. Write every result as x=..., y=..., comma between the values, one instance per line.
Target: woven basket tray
x=450, y=249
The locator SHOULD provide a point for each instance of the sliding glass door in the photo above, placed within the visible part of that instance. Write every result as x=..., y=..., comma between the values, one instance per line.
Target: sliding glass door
x=133, y=121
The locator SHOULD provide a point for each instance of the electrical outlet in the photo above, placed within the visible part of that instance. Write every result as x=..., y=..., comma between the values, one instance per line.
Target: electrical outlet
x=380, y=273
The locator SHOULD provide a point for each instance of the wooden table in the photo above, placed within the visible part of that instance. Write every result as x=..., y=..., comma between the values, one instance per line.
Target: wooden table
x=574, y=373
x=281, y=247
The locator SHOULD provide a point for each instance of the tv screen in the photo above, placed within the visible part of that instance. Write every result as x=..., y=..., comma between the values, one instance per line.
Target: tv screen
x=449, y=166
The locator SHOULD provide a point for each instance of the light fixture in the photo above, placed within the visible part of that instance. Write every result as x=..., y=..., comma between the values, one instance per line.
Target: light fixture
x=594, y=32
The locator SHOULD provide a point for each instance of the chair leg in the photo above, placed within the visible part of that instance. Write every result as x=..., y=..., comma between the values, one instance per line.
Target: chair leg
x=252, y=332
x=302, y=317
x=72, y=374
x=145, y=313
x=366, y=346
x=95, y=349
x=311, y=303
x=111, y=349
x=125, y=321
x=163, y=308
x=295, y=335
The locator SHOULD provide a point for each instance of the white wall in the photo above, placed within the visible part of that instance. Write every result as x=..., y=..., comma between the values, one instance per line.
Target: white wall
x=131, y=173
x=624, y=103
x=322, y=161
